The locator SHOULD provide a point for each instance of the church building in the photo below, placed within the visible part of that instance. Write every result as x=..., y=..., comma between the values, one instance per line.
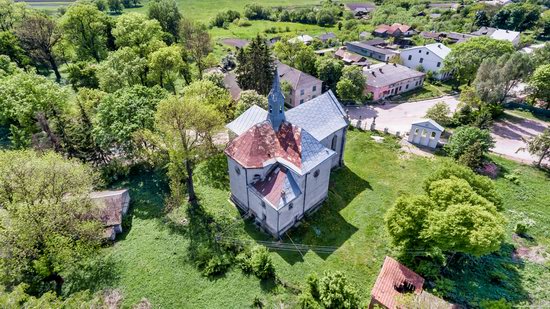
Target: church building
x=280, y=161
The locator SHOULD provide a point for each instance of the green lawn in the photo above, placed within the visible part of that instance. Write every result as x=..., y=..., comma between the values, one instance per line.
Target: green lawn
x=527, y=114
x=153, y=260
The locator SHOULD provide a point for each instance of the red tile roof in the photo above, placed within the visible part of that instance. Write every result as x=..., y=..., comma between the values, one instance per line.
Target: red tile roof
x=261, y=143
x=393, y=280
x=277, y=186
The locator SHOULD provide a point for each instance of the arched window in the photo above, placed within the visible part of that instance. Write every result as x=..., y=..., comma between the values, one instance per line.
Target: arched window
x=334, y=142
x=237, y=170
x=316, y=173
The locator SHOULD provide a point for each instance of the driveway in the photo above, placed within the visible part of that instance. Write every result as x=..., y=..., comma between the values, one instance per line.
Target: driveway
x=398, y=117
x=509, y=134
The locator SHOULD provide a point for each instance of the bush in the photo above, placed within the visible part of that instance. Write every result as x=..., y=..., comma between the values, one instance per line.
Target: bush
x=261, y=263
x=463, y=141
x=440, y=113
x=336, y=292
x=521, y=229
x=306, y=301
x=255, y=11
x=313, y=284
x=225, y=17
x=216, y=265
x=495, y=304
x=472, y=156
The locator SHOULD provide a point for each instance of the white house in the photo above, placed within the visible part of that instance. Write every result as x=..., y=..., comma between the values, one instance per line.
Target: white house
x=430, y=57
x=280, y=162
x=303, y=87
x=425, y=133
x=304, y=38
x=500, y=34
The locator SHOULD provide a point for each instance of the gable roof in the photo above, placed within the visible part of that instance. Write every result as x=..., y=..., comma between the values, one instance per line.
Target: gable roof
x=113, y=205
x=327, y=36
x=320, y=116
x=295, y=77
x=437, y=49
x=278, y=188
x=291, y=146
x=362, y=45
x=393, y=280
x=304, y=38
x=365, y=5
x=429, y=124
x=349, y=57
x=386, y=74
x=246, y=120
x=505, y=35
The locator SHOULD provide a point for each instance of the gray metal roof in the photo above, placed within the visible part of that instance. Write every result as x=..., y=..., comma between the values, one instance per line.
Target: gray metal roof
x=430, y=124
x=320, y=116
x=372, y=48
x=386, y=74
x=313, y=152
x=250, y=117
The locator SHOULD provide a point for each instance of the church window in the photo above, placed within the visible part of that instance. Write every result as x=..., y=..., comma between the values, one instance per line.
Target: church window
x=316, y=173
x=290, y=206
x=263, y=204
x=237, y=170
x=334, y=142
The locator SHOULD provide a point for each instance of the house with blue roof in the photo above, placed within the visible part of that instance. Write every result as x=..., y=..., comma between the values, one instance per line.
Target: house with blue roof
x=280, y=161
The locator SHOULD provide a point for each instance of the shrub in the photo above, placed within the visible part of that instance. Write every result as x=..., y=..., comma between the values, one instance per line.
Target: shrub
x=261, y=263
x=521, y=229
x=440, y=113
x=472, y=156
x=495, y=304
x=465, y=137
x=336, y=292
x=306, y=301
x=216, y=265
x=313, y=284
x=255, y=11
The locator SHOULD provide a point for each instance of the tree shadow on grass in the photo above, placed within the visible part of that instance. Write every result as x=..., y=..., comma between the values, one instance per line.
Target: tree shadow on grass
x=489, y=277
x=326, y=230
x=94, y=274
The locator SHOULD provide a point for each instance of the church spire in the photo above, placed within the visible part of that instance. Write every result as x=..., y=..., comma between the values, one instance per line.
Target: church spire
x=276, y=101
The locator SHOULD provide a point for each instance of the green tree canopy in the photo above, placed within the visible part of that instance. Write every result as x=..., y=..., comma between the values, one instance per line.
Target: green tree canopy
x=136, y=31
x=256, y=66
x=124, y=112
x=466, y=57
x=540, y=85
x=440, y=112
x=540, y=146
x=165, y=66
x=465, y=137
x=452, y=216
x=48, y=224
x=329, y=70
x=124, y=67
x=352, y=84
x=85, y=28
x=168, y=14
x=249, y=98
x=297, y=55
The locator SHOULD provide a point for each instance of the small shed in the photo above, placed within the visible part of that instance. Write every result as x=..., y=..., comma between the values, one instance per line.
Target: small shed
x=426, y=133
x=113, y=206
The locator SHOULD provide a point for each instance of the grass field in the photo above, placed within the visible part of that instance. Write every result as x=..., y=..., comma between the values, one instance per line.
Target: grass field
x=153, y=261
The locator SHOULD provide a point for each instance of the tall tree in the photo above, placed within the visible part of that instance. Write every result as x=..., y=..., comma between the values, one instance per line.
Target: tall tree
x=329, y=70
x=49, y=225
x=249, y=98
x=165, y=66
x=352, y=84
x=539, y=85
x=197, y=42
x=10, y=14
x=256, y=66
x=29, y=99
x=124, y=112
x=122, y=68
x=39, y=36
x=186, y=127
x=11, y=47
x=540, y=146
x=134, y=30
x=168, y=14
x=85, y=28
x=495, y=78
x=466, y=57
x=296, y=54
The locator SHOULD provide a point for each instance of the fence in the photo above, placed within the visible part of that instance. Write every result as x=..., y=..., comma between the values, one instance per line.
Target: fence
x=535, y=110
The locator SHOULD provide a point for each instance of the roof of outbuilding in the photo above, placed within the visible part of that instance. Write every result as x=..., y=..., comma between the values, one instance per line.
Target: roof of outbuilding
x=327, y=36
x=386, y=74
x=393, y=280
x=375, y=49
x=113, y=205
x=429, y=124
x=505, y=35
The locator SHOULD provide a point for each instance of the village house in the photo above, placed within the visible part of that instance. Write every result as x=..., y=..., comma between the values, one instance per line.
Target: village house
x=499, y=34
x=396, y=30
x=280, y=161
x=430, y=57
x=350, y=58
x=304, y=38
x=398, y=287
x=113, y=207
x=327, y=36
x=375, y=52
x=303, y=87
x=385, y=80
x=360, y=10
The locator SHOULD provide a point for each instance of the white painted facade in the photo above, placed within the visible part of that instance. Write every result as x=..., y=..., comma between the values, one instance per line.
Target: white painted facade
x=430, y=57
x=425, y=133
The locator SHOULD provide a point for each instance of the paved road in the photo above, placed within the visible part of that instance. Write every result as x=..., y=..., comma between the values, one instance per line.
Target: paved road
x=398, y=117
x=508, y=133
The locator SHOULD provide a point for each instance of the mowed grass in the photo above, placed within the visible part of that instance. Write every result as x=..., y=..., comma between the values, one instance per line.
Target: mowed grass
x=153, y=261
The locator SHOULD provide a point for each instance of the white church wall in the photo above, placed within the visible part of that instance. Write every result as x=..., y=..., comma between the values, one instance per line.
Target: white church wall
x=316, y=188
